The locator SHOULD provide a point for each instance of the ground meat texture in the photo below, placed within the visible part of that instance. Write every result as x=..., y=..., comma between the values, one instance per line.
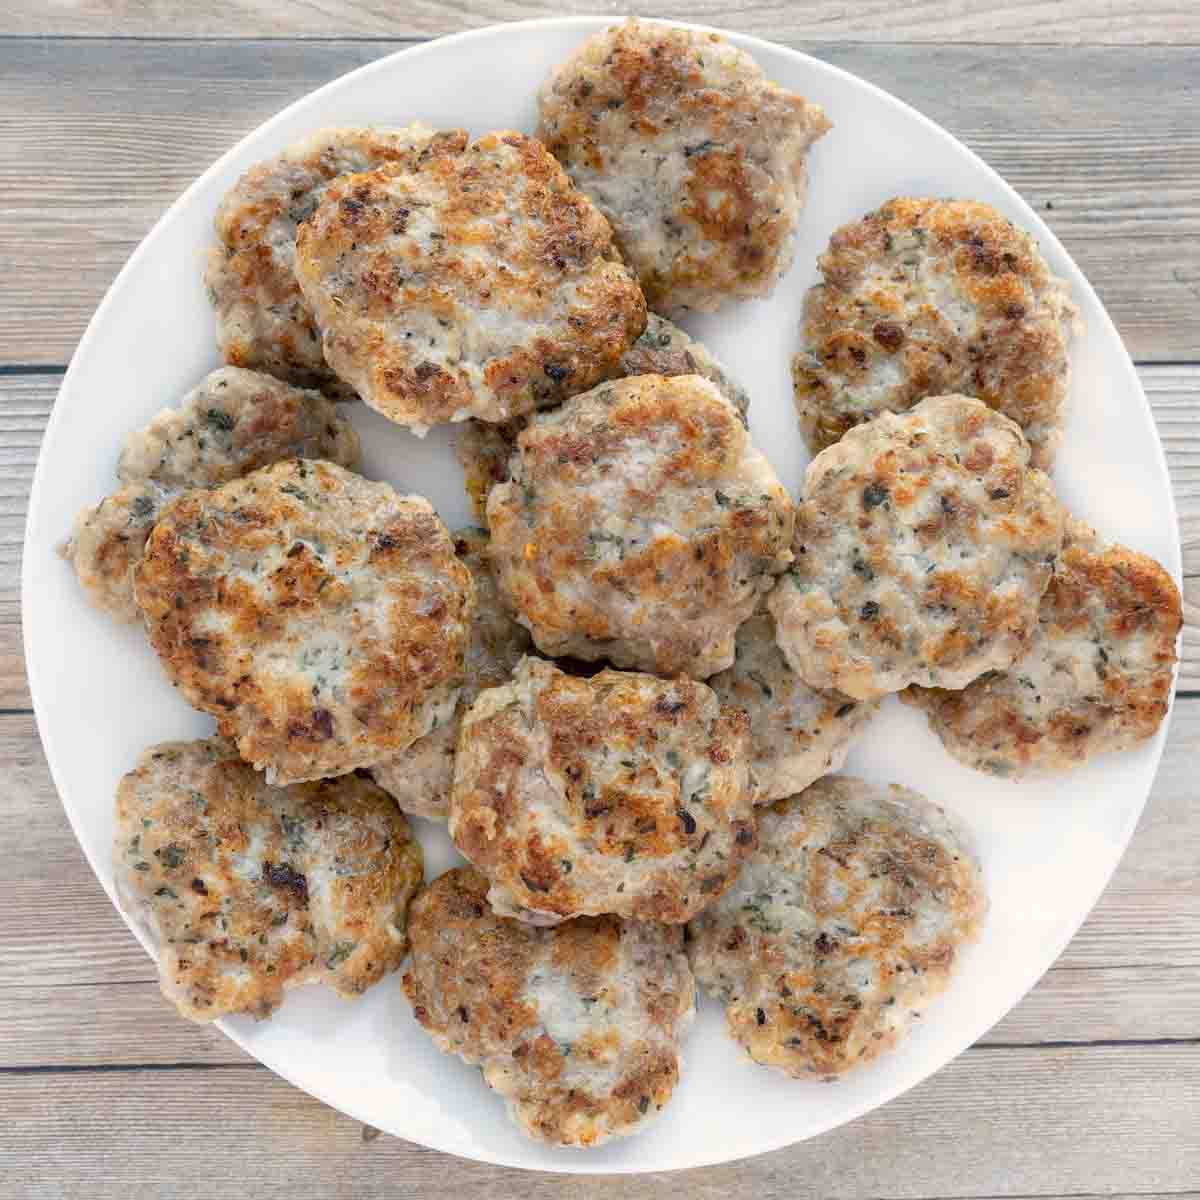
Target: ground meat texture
x=925, y=297
x=846, y=923
x=621, y=794
x=245, y=890
x=263, y=321
x=234, y=422
x=106, y=546
x=1096, y=677
x=696, y=158
x=640, y=526
x=797, y=733
x=663, y=349
x=476, y=284
x=320, y=617
x=578, y=1027
x=923, y=545
x=419, y=778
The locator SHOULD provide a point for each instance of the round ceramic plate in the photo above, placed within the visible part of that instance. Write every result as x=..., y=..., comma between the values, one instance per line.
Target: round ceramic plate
x=1047, y=848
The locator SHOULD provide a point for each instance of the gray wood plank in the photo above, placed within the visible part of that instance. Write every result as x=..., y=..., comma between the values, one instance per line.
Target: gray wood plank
x=1016, y=21
x=112, y=131
x=25, y=402
x=995, y=1123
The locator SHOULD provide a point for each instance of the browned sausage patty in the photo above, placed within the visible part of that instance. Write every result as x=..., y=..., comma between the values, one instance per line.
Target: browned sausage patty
x=245, y=889
x=695, y=157
x=1096, y=677
x=640, y=526
x=924, y=542
x=320, y=617
x=842, y=927
x=477, y=284
x=262, y=319
x=577, y=1027
x=232, y=423
x=620, y=794
x=925, y=297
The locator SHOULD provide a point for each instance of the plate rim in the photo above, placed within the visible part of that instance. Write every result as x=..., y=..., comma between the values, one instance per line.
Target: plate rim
x=584, y=24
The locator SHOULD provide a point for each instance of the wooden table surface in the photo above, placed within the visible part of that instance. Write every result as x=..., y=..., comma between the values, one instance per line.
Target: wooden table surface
x=1090, y=1087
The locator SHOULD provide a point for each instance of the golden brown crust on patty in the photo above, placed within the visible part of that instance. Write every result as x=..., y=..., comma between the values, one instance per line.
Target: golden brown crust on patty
x=577, y=1027
x=621, y=794
x=640, y=525
x=1096, y=677
x=320, y=617
x=479, y=283
x=923, y=545
x=925, y=297
x=694, y=156
x=245, y=890
x=845, y=923
x=262, y=319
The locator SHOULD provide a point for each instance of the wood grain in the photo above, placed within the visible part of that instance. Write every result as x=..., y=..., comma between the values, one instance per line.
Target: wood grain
x=1012, y=1122
x=26, y=400
x=1009, y=21
x=112, y=132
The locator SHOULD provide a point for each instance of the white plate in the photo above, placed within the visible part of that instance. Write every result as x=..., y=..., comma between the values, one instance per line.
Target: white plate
x=1048, y=849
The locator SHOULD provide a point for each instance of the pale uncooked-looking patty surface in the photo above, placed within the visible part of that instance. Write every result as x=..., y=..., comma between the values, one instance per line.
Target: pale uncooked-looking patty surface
x=1096, y=677
x=925, y=297
x=797, y=733
x=639, y=525
x=480, y=283
x=419, y=778
x=320, y=617
x=263, y=321
x=232, y=423
x=663, y=349
x=620, y=794
x=923, y=544
x=578, y=1027
x=846, y=922
x=695, y=157
x=244, y=890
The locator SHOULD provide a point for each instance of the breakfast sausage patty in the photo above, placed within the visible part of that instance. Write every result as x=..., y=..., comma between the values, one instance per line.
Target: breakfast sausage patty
x=577, y=1027
x=927, y=297
x=797, y=733
x=842, y=927
x=923, y=545
x=245, y=890
x=262, y=319
x=620, y=794
x=640, y=526
x=480, y=283
x=695, y=157
x=1096, y=677
x=320, y=617
x=232, y=423
x=663, y=349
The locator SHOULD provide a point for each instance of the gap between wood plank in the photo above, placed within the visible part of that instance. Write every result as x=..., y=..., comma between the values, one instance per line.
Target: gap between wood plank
x=978, y=1048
